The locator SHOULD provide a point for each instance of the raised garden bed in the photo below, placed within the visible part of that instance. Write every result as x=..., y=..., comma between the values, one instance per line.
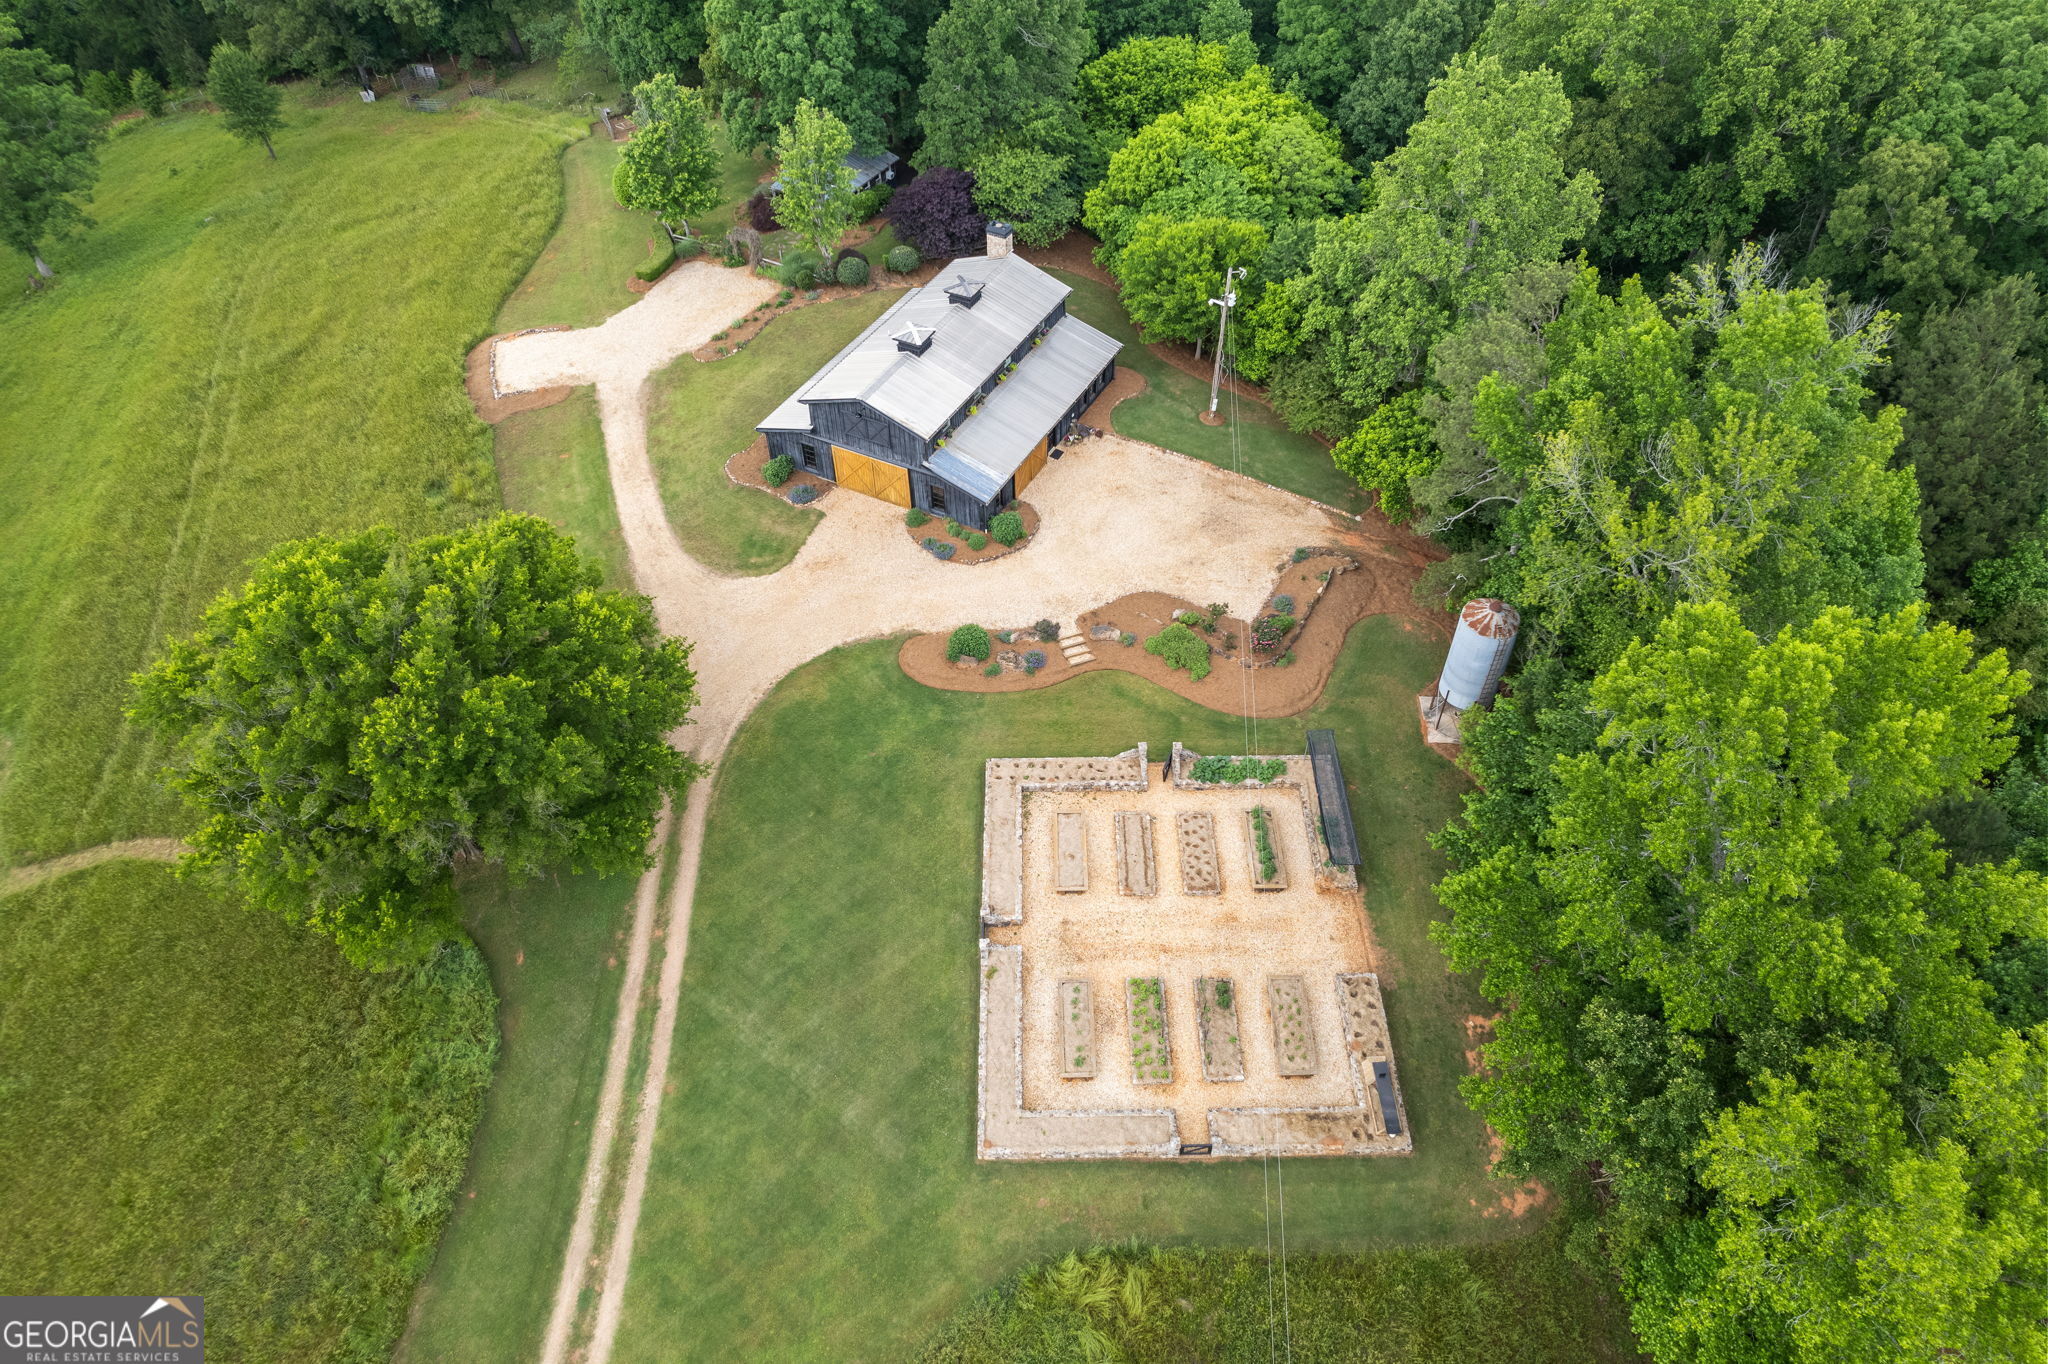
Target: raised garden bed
x=1201, y=870
x=1262, y=850
x=1151, y=1056
x=1294, y=1034
x=1137, y=868
x=1076, y=1002
x=1070, y=851
x=1216, y=1010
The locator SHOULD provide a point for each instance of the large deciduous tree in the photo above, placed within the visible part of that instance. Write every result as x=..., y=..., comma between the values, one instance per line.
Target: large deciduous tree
x=365, y=715
x=817, y=185
x=49, y=136
x=1368, y=66
x=1478, y=193
x=643, y=37
x=1747, y=989
x=860, y=59
x=1135, y=82
x=1001, y=73
x=937, y=214
x=670, y=168
x=250, y=106
x=1173, y=267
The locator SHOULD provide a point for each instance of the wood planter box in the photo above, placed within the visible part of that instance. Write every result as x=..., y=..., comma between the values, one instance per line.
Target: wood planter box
x=1216, y=1010
x=1294, y=1033
x=1151, y=1056
x=1201, y=870
x=1076, y=1003
x=1137, y=867
x=1254, y=859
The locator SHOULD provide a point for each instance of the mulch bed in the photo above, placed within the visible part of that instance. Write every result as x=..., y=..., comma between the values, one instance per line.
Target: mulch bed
x=745, y=469
x=935, y=529
x=1379, y=585
x=476, y=378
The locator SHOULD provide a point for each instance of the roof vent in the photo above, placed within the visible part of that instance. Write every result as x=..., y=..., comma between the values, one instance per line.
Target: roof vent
x=914, y=339
x=964, y=291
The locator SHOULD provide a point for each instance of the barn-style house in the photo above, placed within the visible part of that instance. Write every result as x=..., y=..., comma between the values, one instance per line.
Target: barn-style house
x=952, y=399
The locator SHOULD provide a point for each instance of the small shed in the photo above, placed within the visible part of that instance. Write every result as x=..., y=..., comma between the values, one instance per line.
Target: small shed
x=869, y=169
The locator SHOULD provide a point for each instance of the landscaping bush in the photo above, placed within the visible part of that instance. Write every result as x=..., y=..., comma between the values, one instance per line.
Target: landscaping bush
x=1127, y=639
x=1270, y=630
x=655, y=268
x=1034, y=659
x=940, y=549
x=976, y=540
x=903, y=258
x=1181, y=648
x=802, y=493
x=799, y=268
x=994, y=669
x=871, y=201
x=761, y=211
x=1047, y=630
x=852, y=272
x=954, y=528
x=1283, y=605
x=967, y=641
x=916, y=517
x=1301, y=553
x=936, y=214
x=689, y=248
x=1006, y=527
x=777, y=470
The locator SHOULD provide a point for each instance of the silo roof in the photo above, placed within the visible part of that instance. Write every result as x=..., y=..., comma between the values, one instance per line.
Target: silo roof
x=1491, y=617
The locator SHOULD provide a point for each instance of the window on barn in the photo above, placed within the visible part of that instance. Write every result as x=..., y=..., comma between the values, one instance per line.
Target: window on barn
x=935, y=498
x=810, y=455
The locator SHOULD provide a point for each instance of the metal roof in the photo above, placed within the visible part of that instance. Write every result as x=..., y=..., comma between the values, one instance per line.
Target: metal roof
x=867, y=167
x=922, y=392
x=982, y=454
x=1339, y=833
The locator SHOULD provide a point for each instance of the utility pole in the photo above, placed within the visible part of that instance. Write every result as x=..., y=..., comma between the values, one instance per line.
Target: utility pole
x=1225, y=303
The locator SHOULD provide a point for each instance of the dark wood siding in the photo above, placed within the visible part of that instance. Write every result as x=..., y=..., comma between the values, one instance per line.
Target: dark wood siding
x=859, y=427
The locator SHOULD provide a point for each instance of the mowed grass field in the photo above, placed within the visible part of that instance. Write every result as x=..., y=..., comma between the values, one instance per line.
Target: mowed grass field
x=814, y=1194
x=242, y=352
x=699, y=415
x=1169, y=412
x=197, y=1099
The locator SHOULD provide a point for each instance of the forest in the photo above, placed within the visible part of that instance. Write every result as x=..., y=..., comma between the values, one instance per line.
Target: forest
x=1710, y=337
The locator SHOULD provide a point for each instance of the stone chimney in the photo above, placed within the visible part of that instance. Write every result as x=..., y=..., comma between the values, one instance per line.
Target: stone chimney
x=1001, y=240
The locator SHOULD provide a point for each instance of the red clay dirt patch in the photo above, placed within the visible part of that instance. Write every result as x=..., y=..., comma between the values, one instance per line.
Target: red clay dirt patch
x=492, y=407
x=745, y=469
x=1375, y=586
x=963, y=553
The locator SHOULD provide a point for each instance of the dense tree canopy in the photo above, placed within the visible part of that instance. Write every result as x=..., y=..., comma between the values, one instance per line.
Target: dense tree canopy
x=670, y=168
x=1001, y=74
x=858, y=59
x=364, y=715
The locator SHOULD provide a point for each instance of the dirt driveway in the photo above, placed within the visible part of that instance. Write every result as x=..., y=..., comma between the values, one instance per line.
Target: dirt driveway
x=1119, y=517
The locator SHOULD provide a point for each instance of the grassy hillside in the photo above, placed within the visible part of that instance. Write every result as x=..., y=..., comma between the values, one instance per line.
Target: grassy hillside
x=197, y=1099
x=814, y=1193
x=242, y=351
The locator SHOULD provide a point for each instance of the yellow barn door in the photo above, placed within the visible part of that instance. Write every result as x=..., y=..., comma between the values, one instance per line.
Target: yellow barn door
x=875, y=477
x=1033, y=462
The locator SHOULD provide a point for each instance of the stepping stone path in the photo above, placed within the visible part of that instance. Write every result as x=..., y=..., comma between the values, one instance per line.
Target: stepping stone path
x=1075, y=648
x=1136, y=867
x=1200, y=871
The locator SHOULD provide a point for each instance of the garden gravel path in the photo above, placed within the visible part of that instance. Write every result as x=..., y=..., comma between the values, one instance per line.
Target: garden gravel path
x=1118, y=517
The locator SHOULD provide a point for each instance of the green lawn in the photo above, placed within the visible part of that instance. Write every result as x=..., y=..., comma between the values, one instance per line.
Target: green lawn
x=551, y=462
x=243, y=351
x=198, y=1099
x=1169, y=412
x=699, y=415
x=580, y=278
x=813, y=1194
x=556, y=949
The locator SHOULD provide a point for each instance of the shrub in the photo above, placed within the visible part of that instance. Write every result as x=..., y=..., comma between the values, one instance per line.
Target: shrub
x=902, y=258
x=689, y=248
x=1194, y=620
x=1283, y=604
x=967, y=641
x=1006, y=527
x=146, y=93
x=1047, y=630
x=1302, y=553
x=777, y=470
x=1285, y=660
x=936, y=214
x=940, y=549
x=802, y=493
x=954, y=528
x=916, y=517
x=976, y=540
x=1035, y=659
x=870, y=201
x=1181, y=648
x=1127, y=639
x=994, y=669
x=785, y=296
x=799, y=268
x=654, y=269
x=853, y=271
x=761, y=211
x=1270, y=630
